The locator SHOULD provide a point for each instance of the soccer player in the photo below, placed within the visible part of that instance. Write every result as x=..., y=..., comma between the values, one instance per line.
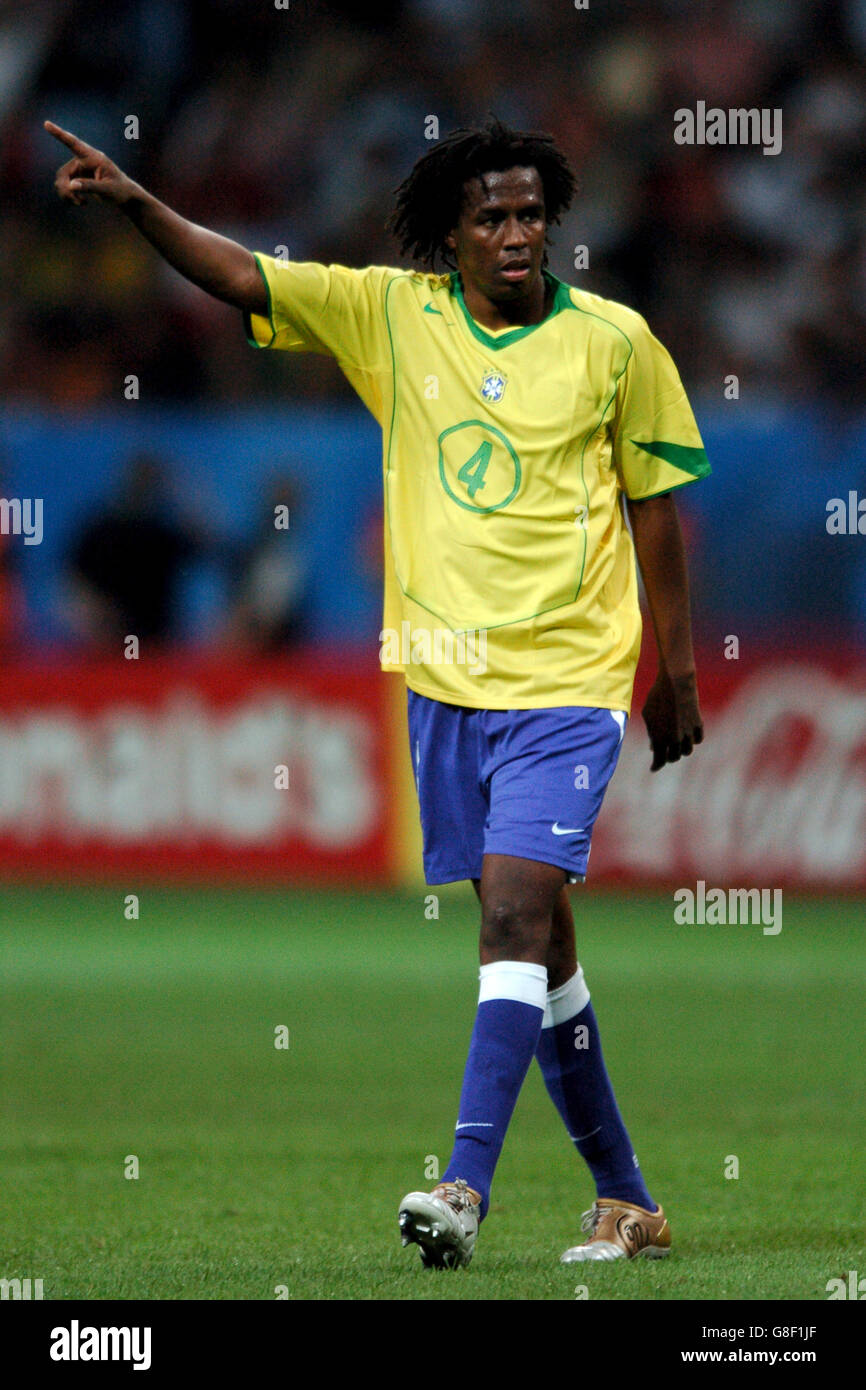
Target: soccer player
x=522, y=420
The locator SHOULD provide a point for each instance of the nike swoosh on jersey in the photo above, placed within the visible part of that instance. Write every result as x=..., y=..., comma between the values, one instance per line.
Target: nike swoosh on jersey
x=428, y=309
x=558, y=829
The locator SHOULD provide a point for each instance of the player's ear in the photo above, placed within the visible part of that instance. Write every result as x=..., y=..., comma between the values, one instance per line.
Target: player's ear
x=451, y=241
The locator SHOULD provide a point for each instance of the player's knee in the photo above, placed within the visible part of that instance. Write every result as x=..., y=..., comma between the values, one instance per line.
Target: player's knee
x=513, y=930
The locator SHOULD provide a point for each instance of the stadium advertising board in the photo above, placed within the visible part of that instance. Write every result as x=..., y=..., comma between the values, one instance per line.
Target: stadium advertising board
x=282, y=770
x=194, y=768
x=776, y=794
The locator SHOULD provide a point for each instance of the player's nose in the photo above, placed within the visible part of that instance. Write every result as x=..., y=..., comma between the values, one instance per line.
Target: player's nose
x=515, y=233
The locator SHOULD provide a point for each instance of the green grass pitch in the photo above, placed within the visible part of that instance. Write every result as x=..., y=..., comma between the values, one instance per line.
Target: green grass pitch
x=262, y=1167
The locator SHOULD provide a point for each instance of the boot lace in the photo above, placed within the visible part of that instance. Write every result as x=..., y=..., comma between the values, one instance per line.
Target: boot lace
x=590, y=1219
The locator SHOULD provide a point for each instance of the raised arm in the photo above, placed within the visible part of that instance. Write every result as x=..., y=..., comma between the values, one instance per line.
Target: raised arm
x=671, y=712
x=216, y=264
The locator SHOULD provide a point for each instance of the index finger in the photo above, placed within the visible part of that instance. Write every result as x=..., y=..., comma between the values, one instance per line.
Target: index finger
x=67, y=138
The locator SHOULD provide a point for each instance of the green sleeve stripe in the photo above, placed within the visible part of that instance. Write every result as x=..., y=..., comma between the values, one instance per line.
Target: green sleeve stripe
x=682, y=456
x=248, y=328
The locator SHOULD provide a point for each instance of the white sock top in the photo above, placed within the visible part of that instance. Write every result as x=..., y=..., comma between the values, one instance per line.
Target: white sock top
x=566, y=1001
x=519, y=980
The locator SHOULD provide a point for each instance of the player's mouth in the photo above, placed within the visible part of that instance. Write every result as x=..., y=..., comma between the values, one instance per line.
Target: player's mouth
x=516, y=270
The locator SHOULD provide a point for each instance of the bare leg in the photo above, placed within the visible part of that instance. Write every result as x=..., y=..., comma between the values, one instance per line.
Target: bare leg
x=561, y=954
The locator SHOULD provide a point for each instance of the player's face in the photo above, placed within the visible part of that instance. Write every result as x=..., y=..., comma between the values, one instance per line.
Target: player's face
x=499, y=239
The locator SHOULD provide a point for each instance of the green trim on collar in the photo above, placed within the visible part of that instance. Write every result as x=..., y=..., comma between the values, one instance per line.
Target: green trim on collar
x=561, y=300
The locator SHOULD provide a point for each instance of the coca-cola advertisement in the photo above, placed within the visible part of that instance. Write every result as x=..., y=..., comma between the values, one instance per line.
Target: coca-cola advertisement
x=776, y=794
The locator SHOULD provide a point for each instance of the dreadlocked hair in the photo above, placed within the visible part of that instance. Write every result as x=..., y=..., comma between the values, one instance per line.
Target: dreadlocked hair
x=429, y=201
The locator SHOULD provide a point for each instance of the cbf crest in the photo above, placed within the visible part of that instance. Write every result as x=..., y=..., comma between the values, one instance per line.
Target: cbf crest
x=493, y=386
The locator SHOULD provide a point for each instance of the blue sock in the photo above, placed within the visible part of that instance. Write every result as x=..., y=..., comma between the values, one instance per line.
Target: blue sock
x=511, y=1004
x=572, y=1064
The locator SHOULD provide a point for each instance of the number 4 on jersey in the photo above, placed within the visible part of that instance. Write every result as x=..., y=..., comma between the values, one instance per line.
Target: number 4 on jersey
x=473, y=470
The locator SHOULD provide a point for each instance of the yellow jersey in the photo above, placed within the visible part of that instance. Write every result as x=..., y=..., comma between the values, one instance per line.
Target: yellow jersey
x=510, y=577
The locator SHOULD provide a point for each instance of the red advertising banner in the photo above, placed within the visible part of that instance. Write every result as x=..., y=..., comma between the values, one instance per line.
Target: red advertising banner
x=297, y=769
x=244, y=769
x=776, y=794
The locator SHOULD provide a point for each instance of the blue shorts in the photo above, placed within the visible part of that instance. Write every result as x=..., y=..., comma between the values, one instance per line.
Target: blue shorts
x=525, y=782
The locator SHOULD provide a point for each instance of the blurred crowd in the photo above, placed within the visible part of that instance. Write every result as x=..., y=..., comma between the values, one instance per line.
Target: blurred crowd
x=149, y=560
x=293, y=125
x=290, y=125
x=128, y=564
